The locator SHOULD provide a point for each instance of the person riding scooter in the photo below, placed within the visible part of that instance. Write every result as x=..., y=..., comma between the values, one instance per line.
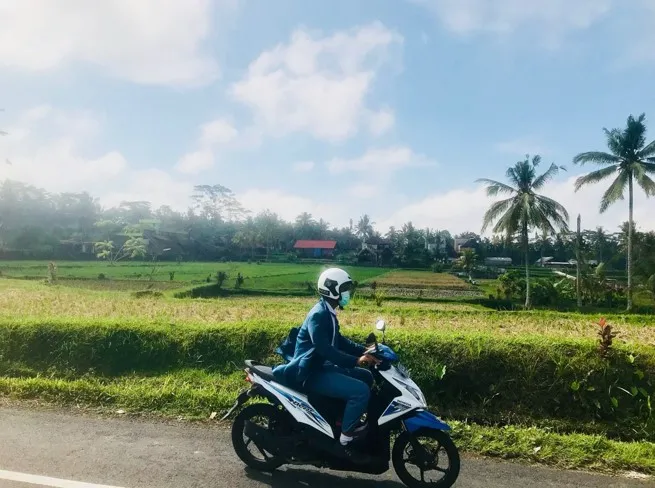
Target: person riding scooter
x=328, y=364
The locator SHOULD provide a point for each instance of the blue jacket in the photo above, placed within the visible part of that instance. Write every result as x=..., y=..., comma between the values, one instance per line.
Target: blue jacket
x=319, y=341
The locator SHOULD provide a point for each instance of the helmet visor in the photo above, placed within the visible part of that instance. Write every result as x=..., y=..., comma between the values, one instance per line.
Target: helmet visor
x=347, y=286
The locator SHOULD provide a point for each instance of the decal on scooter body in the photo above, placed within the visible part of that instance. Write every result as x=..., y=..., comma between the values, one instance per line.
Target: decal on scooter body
x=297, y=404
x=411, y=397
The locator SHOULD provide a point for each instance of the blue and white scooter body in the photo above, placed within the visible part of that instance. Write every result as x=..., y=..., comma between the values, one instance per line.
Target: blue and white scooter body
x=411, y=400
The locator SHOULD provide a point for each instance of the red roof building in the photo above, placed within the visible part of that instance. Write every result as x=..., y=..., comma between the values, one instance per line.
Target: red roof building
x=316, y=249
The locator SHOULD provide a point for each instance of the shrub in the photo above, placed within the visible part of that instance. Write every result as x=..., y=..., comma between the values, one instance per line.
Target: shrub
x=239, y=281
x=437, y=268
x=543, y=292
x=379, y=297
x=221, y=277
x=101, y=276
x=52, y=273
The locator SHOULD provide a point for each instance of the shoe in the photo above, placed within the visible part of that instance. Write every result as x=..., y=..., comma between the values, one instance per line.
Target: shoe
x=356, y=456
x=361, y=429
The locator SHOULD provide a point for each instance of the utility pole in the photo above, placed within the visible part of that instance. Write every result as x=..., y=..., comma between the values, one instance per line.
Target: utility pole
x=578, y=285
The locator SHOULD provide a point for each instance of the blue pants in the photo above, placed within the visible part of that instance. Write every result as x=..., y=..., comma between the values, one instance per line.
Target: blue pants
x=351, y=385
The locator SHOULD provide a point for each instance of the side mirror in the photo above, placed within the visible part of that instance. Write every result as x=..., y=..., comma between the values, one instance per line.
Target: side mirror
x=381, y=325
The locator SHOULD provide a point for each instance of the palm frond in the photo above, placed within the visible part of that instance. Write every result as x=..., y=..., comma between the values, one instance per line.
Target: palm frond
x=615, y=192
x=496, y=187
x=646, y=183
x=649, y=167
x=494, y=212
x=634, y=135
x=509, y=222
x=596, y=157
x=615, y=141
x=553, y=210
x=513, y=175
x=595, y=176
x=546, y=177
x=648, y=151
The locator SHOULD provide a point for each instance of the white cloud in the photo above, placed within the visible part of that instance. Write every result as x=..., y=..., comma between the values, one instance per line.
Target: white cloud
x=364, y=191
x=36, y=113
x=153, y=185
x=195, y=162
x=550, y=18
x=214, y=136
x=381, y=121
x=47, y=148
x=144, y=41
x=378, y=162
x=462, y=209
x=289, y=206
x=303, y=166
x=317, y=84
x=219, y=131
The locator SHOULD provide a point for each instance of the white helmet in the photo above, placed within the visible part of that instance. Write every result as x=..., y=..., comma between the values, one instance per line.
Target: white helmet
x=333, y=282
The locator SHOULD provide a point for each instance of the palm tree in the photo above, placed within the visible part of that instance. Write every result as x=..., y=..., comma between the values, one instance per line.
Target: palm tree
x=365, y=228
x=598, y=240
x=524, y=209
x=469, y=258
x=630, y=159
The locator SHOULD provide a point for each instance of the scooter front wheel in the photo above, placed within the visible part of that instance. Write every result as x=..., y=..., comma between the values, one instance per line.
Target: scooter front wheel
x=426, y=459
x=260, y=418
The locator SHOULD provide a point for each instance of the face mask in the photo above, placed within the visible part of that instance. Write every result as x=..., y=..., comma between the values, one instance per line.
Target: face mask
x=345, y=299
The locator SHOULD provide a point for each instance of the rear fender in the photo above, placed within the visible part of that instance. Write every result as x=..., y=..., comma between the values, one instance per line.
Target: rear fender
x=422, y=419
x=246, y=394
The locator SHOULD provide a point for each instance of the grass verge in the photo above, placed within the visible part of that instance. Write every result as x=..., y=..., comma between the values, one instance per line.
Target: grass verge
x=562, y=379
x=194, y=395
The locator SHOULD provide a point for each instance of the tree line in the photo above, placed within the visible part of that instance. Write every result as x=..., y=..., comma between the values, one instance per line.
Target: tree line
x=526, y=225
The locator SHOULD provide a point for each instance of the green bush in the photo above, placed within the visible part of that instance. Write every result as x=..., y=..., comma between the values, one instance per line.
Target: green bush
x=437, y=268
x=487, y=374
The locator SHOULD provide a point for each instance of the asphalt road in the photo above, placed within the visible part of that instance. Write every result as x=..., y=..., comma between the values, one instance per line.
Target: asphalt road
x=72, y=450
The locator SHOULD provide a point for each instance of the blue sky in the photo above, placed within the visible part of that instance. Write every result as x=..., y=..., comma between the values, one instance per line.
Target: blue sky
x=389, y=107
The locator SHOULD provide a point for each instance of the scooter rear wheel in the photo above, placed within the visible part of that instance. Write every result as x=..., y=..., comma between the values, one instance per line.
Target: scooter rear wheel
x=264, y=415
x=439, y=448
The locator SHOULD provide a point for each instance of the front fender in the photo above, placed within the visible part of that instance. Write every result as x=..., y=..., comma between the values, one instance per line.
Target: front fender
x=422, y=419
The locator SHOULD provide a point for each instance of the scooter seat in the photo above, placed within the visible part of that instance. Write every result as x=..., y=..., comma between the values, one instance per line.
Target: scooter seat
x=266, y=372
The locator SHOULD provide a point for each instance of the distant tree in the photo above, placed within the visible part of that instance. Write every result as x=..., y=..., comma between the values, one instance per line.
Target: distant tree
x=268, y=227
x=134, y=247
x=305, y=226
x=217, y=203
x=598, y=239
x=630, y=159
x=364, y=228
x=134, y=212
x=248, y=237
x=524, y=209
x=469, y=260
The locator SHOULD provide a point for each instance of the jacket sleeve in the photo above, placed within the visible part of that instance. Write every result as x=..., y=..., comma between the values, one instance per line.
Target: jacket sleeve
x=321, y=333
x=350, y=347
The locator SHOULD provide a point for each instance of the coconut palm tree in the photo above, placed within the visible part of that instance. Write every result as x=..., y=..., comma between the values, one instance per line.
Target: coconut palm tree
x=598, y=239
x=630, y=159
x=364, y=228
x=469, y=259
x=524, y=209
